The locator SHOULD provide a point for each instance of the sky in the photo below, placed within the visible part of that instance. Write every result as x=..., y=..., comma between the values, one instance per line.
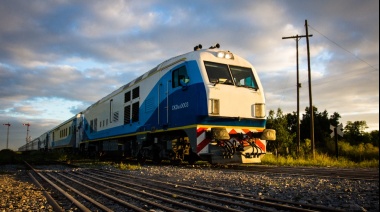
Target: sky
x=58, y=57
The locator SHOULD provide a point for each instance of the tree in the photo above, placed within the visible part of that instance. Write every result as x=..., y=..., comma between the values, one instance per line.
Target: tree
x=334, y=119
x=284, y=138
x=286, y=126
x=375, y=138
x=322, y=124
x=354, y=132
x=292, y=121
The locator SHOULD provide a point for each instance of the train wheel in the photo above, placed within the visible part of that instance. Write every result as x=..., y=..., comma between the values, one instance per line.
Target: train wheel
x=193, y=158
x=176, y=162
x=157, y=160
x=191, y=161
x=140, y=158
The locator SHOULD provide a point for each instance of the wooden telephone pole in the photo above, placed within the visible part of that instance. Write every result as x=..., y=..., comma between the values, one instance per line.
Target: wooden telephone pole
x=311, y=109
x=297, y=37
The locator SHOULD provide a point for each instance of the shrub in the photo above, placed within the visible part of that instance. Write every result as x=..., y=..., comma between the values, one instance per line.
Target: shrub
x=123, y=166
x=356, y=153
x=321, y=160
x=8, y=156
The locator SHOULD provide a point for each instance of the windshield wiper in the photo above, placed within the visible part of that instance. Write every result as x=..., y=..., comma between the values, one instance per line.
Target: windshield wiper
x=246, y=86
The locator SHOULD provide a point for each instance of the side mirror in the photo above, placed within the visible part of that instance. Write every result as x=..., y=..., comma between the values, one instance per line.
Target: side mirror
x=184, y=81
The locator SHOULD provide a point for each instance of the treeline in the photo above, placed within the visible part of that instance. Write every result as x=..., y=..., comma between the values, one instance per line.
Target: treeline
x=356, y=144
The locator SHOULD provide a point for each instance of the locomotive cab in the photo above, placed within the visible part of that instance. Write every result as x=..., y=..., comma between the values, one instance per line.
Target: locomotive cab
x=236, y=115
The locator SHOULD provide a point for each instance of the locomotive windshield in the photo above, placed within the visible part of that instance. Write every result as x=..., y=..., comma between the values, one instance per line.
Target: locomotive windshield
x=243, y=77
x=230, y=75
x=218, y=73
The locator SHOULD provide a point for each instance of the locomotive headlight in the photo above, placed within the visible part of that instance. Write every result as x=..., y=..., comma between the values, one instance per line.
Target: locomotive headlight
x=221, y=54
x=226, y=55
x=259, y=110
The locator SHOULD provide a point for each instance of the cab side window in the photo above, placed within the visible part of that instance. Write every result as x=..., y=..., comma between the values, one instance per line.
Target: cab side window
x=180, y=77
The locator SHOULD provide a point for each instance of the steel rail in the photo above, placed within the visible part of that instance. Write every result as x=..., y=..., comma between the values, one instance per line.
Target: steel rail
x=76, y=202
x=112, y=197
x=176, y=196
x=194, y=200
x=259, y=202
x=99, y=205
x=143, y=193
x=50, y=199
x=339, y=173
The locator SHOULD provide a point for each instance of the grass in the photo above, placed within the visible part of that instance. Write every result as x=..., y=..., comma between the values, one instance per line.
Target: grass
x=123, y=166
x=96, y=164
x=321, y=160
x=8, y=156
x=11, y=157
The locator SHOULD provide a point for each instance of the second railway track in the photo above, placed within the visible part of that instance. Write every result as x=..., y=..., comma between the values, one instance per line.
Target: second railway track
x=323, y=172
x=105, y=190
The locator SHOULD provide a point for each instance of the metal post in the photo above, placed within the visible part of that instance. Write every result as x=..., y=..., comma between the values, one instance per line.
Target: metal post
x=297, y=37
x=298, y=103
x=7, y=132
x=336, y=142
x=167, y=101
x=311, y=109
x=27, y=131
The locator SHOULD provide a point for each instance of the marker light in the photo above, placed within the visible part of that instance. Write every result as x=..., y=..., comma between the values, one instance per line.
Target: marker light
x=259, y=110
x=214, y=107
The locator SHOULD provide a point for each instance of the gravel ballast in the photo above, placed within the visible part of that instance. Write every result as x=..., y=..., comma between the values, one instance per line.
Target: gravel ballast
x=349, y=195
x=19, y=194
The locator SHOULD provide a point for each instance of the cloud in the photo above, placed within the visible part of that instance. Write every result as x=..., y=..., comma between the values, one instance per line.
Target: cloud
x=70, y=55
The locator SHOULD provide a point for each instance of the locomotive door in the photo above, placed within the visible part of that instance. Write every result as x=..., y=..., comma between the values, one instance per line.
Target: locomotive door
x=78, y=129
x=163, y=116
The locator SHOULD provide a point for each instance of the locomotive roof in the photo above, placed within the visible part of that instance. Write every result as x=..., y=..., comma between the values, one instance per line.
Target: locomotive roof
x=165, y=64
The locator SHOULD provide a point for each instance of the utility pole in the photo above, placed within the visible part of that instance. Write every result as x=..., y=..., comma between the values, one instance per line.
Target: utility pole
x=7, y=133
x=297, y=37
x=27, y=131
x=311, y=109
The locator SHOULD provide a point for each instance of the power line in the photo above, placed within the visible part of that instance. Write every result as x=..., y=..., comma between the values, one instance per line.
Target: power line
x=340, y=46
x=347, y=74
x=321, y=81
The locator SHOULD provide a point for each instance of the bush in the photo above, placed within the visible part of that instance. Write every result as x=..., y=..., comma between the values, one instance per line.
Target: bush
x=8, y=156
x=357, y=153
x=321, y=160
x=123, y=166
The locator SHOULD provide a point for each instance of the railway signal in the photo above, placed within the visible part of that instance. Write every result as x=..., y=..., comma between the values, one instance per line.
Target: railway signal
x=338, y=130
x=27, y=132
x=7, y=132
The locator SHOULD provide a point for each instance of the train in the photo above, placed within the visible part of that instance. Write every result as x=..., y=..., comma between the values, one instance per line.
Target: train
x=204, y=105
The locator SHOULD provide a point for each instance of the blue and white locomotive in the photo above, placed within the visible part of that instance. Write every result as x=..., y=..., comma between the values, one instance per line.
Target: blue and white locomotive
x=207, y=104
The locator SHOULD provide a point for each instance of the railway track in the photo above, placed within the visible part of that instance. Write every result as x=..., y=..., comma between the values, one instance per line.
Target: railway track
x=324, y=172
x=104, y=190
